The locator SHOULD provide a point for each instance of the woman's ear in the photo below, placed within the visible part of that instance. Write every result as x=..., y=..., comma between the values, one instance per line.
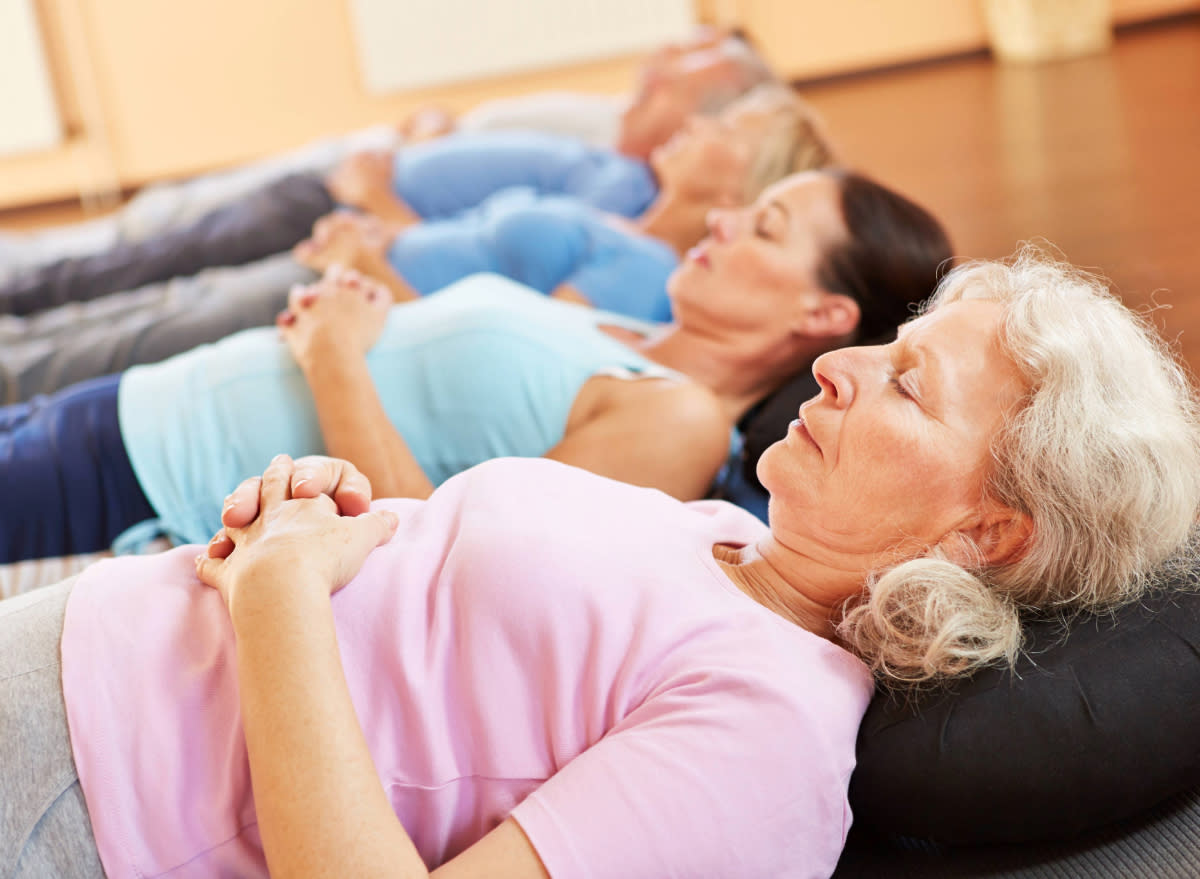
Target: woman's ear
x=831, y=316
x=1001, y=534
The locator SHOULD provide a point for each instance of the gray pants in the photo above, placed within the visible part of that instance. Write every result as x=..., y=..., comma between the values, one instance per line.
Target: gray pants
x=43, y=353
x=266, y=221
x=45, y=832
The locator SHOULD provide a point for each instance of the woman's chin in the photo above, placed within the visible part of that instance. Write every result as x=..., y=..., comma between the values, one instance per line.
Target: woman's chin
x=765, y=468
x=677, y=281
x=782, y=472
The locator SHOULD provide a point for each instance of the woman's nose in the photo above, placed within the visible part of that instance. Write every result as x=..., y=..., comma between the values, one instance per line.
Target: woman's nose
x=835, y=374
x=722, y=223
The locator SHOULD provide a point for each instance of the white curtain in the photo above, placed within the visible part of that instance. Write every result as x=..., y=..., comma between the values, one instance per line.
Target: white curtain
x=28, y=115
x=407, y=44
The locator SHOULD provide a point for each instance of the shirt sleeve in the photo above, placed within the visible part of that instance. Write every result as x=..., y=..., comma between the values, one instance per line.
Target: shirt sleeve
x=443, y=177
x=611, y=182
x=436, y=253
x=626, y=273
x=713, y=778
x=555, y=241
x=540, y=243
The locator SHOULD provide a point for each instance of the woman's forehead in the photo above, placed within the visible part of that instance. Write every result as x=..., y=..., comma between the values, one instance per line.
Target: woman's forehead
x=976, y=317
x=803, y=184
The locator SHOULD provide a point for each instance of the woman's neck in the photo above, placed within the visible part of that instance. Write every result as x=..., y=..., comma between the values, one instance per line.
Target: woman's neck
x=739, y=376
x=677, y=218
x=807, y=589
x=754, y=574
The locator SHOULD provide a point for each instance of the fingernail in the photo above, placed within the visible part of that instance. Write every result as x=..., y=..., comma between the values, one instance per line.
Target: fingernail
x=198, y=560
x=230, y=503
x=278, y=458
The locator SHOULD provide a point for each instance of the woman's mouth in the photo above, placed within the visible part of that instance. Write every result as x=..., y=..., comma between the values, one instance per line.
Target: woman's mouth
x=798, y=426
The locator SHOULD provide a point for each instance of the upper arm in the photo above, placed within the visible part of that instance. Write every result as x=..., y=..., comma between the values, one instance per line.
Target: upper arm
x=443, y=177
x=667, y=435
x=627, y=276
x=505, y=853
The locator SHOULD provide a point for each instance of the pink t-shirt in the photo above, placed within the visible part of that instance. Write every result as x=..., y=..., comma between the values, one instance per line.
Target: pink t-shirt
x=535, y=641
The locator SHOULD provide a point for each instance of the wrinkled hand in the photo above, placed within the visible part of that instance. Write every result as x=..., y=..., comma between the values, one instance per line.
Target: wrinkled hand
x=346, y=239
x=427, y=123
x=362, y=179
x=302, y=521
x=311, y=476
x=341, y=314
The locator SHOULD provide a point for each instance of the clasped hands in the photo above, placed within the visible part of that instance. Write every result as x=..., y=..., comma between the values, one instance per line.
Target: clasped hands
x=358, y=241
x=342, y=313
x=302, y=524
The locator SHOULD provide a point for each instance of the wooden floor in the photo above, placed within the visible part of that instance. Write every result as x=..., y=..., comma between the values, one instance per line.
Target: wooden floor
x=1100, y=156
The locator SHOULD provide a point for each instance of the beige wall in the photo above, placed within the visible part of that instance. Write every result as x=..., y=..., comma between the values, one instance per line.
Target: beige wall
x=813, y=39
x=151, y=89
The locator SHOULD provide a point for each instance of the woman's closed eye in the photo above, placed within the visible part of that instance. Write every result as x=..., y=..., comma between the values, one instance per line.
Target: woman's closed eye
x=770, y=221
x=898, y=386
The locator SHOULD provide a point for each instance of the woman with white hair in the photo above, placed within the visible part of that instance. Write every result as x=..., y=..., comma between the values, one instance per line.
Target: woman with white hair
x=541, y=672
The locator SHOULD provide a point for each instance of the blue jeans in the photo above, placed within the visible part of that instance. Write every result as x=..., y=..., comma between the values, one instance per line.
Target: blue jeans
x=68, y=486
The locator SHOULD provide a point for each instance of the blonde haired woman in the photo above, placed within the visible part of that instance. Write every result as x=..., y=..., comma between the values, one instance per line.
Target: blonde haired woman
x=577, y=247
x=427, y=181
x=565, y=246
x=541, y=672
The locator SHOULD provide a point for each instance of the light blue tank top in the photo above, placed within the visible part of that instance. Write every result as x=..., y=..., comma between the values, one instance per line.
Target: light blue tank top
x=484, y=369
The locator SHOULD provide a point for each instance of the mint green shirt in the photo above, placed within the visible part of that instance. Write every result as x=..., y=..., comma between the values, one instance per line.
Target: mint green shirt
x=484, y=369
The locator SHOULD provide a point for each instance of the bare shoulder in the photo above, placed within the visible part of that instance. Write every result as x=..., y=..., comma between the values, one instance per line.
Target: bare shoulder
x=657, y=401
x=660, y=433
x=691, y=404
x=680, y=413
